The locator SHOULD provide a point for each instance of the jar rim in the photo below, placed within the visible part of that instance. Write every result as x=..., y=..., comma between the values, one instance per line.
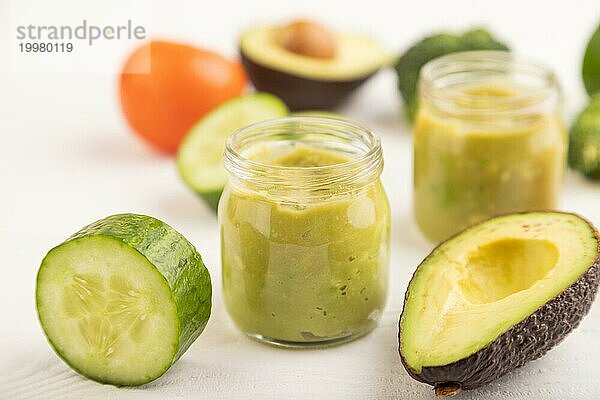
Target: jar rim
x=365, y=165
x=487, y=61
x=232, y=152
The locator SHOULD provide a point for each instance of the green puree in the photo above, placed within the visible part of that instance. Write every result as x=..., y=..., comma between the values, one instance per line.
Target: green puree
x=307, y=271
x=307, y=157
x=468, y=169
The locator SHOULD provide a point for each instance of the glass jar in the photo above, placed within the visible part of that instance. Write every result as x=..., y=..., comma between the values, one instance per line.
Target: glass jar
x=488, y=139
x=305, y=227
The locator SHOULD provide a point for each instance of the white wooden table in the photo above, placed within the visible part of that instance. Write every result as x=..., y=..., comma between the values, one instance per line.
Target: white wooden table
x=67, y=159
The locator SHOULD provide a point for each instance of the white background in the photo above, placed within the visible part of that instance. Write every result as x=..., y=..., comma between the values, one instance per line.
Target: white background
x=88, y=56
x=68, y=158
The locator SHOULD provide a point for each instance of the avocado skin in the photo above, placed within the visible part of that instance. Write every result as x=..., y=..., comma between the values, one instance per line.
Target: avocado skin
x=528, y=340
x=297, y=92
x=591, y=64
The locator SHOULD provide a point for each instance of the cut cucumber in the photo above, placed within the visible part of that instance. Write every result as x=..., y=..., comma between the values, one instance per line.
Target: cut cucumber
x=122, y=299
x=200, y=156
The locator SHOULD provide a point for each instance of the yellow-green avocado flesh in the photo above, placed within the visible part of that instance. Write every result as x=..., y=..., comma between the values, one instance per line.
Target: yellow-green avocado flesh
x=522, y=274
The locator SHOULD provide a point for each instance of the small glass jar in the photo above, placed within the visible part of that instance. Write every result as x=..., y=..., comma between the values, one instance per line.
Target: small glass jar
x=305, y=227
x=488, y=139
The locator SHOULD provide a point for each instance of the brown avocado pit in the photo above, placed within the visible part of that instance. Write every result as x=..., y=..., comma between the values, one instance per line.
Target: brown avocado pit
x=496, y=296
x=307, y=65
x=308, y=39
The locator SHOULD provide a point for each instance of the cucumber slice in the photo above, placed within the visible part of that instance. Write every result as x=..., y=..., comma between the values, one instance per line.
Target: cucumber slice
x=122, y=299
x=200, y=156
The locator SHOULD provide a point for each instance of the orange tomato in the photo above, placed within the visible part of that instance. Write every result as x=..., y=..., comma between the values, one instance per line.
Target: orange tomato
x=182, y=85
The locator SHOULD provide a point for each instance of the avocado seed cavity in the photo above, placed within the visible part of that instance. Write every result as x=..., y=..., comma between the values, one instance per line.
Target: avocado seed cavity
x=308, y=38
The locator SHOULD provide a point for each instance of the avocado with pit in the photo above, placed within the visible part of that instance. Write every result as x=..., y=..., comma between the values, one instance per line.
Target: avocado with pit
x=496, y=296
x=307, y=65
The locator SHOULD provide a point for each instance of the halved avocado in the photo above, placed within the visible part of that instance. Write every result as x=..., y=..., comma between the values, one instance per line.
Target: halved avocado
x=305, y=79
x=496, y=296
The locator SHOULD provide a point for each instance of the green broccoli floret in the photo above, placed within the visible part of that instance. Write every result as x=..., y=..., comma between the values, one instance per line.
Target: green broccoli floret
x=410, y=63
x=584, y=140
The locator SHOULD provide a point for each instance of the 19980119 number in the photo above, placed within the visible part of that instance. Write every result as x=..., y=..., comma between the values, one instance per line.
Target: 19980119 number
x=46, y=47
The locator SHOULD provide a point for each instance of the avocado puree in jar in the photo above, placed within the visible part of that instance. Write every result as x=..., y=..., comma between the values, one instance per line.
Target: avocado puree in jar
x=305, y=271
x=473, y=166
